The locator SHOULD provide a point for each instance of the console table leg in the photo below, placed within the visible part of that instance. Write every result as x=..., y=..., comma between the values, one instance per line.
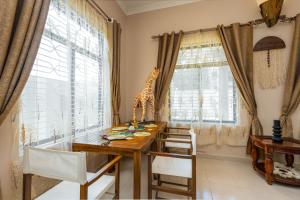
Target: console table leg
x=289, y=158
x=269, y=168
x=254, y=155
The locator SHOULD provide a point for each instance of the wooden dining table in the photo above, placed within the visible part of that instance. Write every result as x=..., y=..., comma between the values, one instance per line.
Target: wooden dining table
x=134, y=148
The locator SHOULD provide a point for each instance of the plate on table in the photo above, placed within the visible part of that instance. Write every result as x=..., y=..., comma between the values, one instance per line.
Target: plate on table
x=150, y=126
x=140, y=134
x=127, y=134
x=119, y=128
x=116, y=137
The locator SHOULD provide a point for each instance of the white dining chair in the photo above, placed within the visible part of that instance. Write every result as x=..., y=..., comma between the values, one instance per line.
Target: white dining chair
x=70, y=168
x=176, y=140
x=177, y=165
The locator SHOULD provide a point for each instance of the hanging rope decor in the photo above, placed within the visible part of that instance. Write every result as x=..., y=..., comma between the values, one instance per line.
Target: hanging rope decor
x=269, y=62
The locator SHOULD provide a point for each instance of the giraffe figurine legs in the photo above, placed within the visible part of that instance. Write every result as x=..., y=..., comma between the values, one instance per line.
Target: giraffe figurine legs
x=136, y=103
x=143, y=110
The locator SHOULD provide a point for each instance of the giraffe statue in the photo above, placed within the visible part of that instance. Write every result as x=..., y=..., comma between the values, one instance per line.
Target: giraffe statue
x=145, y=95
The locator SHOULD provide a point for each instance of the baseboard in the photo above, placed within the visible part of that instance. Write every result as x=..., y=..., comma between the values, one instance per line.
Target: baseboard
x=246, y=158
x=224, y=157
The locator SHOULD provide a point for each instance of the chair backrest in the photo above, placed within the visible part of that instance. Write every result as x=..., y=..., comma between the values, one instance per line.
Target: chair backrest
x=61, y=165
x=194, y=140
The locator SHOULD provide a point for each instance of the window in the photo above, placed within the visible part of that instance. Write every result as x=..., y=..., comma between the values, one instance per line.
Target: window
x=64, y=94
x=202, y=87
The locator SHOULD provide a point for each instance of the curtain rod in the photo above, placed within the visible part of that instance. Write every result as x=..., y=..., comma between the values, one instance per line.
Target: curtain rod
x=99, y=10
x=256, y=22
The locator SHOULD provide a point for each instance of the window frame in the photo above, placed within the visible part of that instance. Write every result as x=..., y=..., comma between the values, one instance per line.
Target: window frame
x=200, y=66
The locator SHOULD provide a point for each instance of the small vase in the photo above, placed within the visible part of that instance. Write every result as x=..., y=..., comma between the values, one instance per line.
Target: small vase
x=277, y=138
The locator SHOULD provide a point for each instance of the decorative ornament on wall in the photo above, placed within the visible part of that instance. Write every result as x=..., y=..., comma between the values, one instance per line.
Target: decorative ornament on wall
x=269, y=62
x=270, y=11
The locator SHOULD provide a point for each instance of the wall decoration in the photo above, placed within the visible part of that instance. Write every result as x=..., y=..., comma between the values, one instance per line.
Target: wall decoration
x=270, y=11
x=269, y=62
x=146, y=95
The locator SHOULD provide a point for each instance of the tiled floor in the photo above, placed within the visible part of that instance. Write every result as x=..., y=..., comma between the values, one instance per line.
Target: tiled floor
x=218, y=180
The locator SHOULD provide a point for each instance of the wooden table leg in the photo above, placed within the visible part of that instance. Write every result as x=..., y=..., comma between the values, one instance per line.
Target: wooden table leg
x=117, y=181
x=149, y=177
x=289, y=158
x=137, y=175
x=27, y=179
x=269, y=168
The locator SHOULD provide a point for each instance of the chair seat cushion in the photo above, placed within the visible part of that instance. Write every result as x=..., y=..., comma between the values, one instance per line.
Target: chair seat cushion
x=71, y=191
x=172, y=166
x=178, y=145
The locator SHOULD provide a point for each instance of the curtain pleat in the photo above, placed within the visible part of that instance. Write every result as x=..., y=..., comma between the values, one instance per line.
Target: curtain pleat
x=22, y=23
x=168, y=50
x=114, y=35
x=237, y=42
x=291, y=97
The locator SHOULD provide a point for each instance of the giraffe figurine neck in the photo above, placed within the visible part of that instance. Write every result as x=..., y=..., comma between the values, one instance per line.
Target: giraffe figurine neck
x=149, y=82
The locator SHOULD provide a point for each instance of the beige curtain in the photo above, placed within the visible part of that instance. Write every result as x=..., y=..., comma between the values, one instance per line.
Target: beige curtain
x=237, y=42
x=22, y=23
x=114, y=37
x=168, y=50
x=291, y=97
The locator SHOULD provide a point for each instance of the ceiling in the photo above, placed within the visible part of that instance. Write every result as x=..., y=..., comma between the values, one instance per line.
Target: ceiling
x=131, y=7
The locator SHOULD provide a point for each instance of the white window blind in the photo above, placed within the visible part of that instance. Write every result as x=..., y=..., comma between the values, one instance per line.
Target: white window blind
x=202, y=86
x=65, y=94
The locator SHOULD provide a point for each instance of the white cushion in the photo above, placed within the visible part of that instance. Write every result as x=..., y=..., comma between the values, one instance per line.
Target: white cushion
x=178, y=145
x=172, y=166
x=71, y=191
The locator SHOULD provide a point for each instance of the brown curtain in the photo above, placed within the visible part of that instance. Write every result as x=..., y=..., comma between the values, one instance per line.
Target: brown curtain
x=291, y=97
x=237, y=42
x=114, y=37
x=168, y=50
x=22, y=23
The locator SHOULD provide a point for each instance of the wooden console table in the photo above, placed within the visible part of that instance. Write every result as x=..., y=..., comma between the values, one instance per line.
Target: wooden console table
x=289, y=147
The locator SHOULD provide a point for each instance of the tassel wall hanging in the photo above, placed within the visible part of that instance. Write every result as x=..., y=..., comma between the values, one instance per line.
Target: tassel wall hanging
x=269, y=63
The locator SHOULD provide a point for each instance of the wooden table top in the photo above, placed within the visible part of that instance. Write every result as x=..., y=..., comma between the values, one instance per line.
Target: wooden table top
x=288, y=143
x=135, y=144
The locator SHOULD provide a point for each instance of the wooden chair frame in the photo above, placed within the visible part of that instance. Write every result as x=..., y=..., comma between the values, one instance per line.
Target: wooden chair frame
x=177, y=128
x=191, y=183
x=164, y=138
x=27, y=180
